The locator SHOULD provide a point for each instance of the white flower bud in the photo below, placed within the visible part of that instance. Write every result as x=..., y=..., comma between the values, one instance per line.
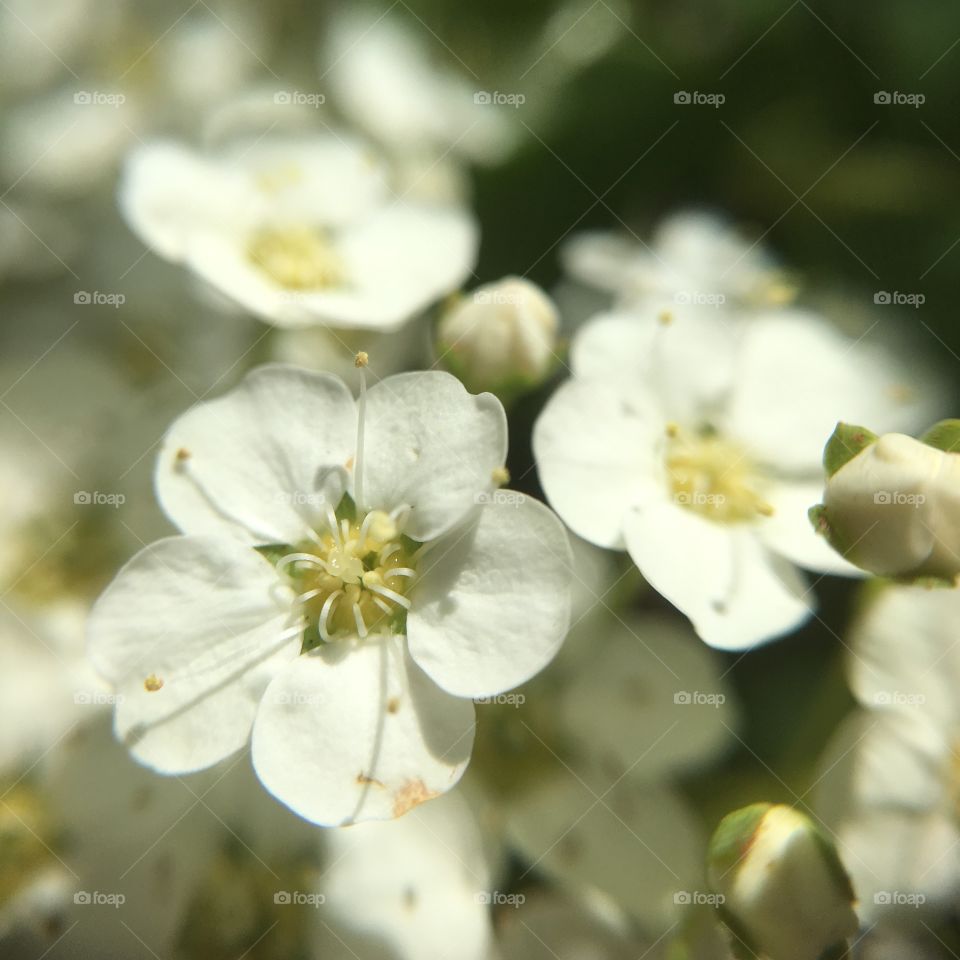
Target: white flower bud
x=893, y=506
x=785, y=893
x=502, y=337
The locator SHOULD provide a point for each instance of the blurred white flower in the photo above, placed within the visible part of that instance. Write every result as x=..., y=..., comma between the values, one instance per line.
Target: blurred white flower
x=418, y=885
x=298, y=231
x=891, y=780
x=345, y=582
x=501, y=337
x=627, y=707
x=380, y=74
x=699, y=453
x=694, y=258
x=893, y=507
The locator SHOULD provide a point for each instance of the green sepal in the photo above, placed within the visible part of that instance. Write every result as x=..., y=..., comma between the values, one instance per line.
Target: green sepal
x=944, y=436
x=733, y=836
x=846, y=441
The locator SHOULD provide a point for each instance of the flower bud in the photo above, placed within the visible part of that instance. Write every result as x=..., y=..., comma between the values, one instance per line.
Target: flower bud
x=891, y=503
x=785, y=893
x=502, y=337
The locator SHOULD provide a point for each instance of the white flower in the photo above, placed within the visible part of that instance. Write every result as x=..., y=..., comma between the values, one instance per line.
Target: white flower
x=694, y=258
x=344, y=583
x=380, y=74
x=892, y=780
x=700, y=454
x=417, y=885
x=892, y=508
x=501, y=336
x=298, y=231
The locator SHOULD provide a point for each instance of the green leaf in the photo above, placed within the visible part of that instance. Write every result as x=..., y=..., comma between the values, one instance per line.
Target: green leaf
x=944, y=435
x=846, y=441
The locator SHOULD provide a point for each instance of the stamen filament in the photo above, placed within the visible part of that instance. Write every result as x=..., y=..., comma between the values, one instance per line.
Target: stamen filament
x=325, y=614
x=389, y=594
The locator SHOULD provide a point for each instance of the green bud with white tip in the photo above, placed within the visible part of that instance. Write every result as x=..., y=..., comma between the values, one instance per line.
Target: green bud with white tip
x=892, y=503
x=785, y=894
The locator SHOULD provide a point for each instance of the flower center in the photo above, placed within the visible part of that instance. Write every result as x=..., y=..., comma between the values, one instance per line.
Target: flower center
x=354, y=578
x=713, y=477
x=297, y=257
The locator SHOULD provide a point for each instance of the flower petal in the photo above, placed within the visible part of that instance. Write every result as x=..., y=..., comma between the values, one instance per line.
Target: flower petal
x=594, y=446
x=205, y=618
x=432, y=446
x=357, y=732
x=260, y=462
x=797, y=376
x=734, y=591
x=788, y=530
x=493, y=605
x=418, y=884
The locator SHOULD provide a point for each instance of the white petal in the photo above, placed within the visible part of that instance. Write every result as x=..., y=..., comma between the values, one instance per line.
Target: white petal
x=493, y=606
x=594, y=446
x=259, y=462
x=328, y=179
x=431, y=446
x=418, y=884
x=734, y=591
x=790, y=533
x=207, y=617
x=687, y=363
x=168, y=192
x=798, y=376
x=650, y=696
x=357, y=732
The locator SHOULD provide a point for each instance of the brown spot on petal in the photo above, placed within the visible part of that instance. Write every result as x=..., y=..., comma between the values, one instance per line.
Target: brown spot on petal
x=364, y=779
x=410, y=795
x=152, y=684
x=393, y=705
x=349, y=463
x=409, y=898
x=183, y=454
